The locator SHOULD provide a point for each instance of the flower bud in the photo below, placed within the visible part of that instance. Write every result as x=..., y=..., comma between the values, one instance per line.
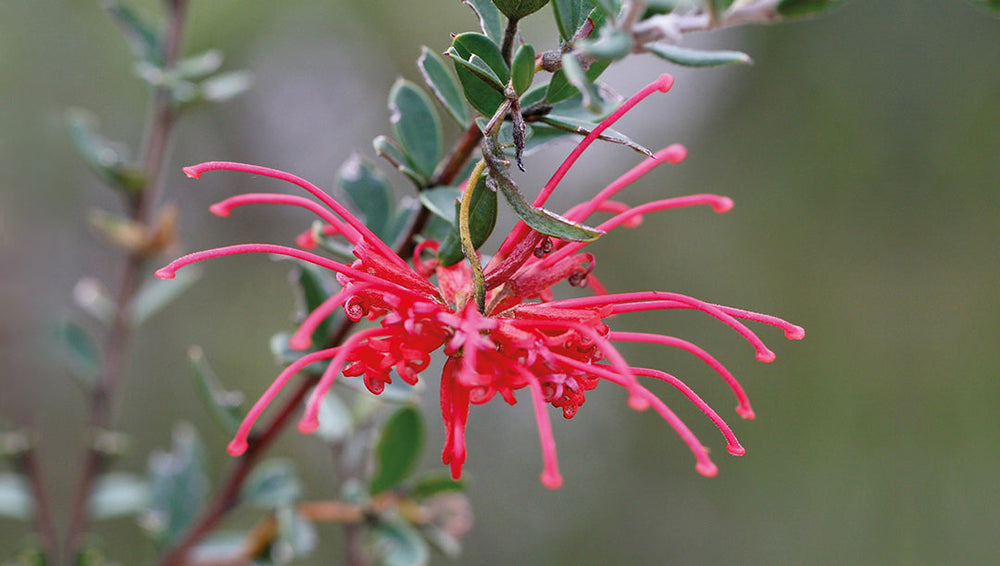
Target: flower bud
x=517, y=9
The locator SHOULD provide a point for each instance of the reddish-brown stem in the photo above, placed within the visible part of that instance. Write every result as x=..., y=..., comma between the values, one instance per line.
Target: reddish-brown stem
x=116, y=342
x=27, y=464
x=228, y=495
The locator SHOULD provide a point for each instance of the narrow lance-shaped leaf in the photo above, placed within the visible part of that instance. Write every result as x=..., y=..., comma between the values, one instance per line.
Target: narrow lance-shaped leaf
x=481, y=93
x=482, y=220
x=387, y=149
x=539, y=219
x=444, y=84
x=398, y=449
x=416, y=124
x=143, y=38
x=695, y=57
x=582, y=127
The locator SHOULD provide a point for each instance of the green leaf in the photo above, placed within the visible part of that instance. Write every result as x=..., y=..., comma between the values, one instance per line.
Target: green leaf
x=178, y=486
x=611, y=43
x=224, y=406
x=272, y=484
x=389, y=150
x=577, y=77
x=117, y=494
x=416, y=124
x=560, y=88
x=695, y=57
x=144, y=40
x=80, y=350
x=200, y=65
x=798, y=8
x=368, y=191
x=398, y=449
x=584, y=127
x=570, y=15
x=397, y=543
x=477, y=67
x=109, y=160
x=335, y=422
x=441, y=202
x=481, y=92
x=523, y=68
x=482, y=220
x=490, y=19
x=435, y=484
x=444, y=84
x=312, y=289
x=16, y=500
x=156, y=294
x=397, y=226
x=517, y=9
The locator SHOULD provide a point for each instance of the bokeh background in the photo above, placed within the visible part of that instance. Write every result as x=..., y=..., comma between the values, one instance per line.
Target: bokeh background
x=861, y=151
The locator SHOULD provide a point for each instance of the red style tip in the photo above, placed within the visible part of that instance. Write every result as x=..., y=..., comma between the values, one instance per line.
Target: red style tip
x=709, y=470
x=165, y=273
x=237, y=447
x=552, y=480
x=736, y=449
x=308, y=424
x=725, y=204
x=299, y=343
x=766, y=356
x=192, y=172
x=746, y=412
x=795, y=333
x=664, y=82
x=674, y=153
x=637, y=402
x=219, y=209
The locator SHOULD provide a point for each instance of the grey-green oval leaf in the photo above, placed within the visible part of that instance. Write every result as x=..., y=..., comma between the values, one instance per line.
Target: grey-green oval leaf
x=517, y=9
x=579, y=79
x=570, y=15
x=398, y=449
x=696, y=57
x=368, y=191
x=444, y=84
x=416, y=125
x=16, y=501
x=490, y=19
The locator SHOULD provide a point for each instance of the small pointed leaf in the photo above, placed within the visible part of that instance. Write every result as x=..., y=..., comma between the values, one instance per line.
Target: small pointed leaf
x=178, y=486
x=611, y=43
x=416, y=124
x=444, y=84
x=435, y=484
x=695, y=57
x=583, y=127
x=109, y=160
x=398, y=449
x=80, y=350
x=483, y=92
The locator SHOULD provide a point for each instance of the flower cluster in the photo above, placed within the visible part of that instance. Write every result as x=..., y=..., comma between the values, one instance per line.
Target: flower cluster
x=524, y=338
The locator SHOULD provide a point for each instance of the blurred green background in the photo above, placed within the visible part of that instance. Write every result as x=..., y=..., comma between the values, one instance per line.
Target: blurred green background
x=861, y=151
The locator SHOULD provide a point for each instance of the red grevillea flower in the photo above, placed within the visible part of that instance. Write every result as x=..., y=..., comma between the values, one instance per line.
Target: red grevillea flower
x=524, y=339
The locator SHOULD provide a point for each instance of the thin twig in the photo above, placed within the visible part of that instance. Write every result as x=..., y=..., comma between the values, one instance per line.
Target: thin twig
x=118, y=337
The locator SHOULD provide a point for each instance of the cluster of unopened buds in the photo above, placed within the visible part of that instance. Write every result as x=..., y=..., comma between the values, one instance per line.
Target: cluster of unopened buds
x=520, y=338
